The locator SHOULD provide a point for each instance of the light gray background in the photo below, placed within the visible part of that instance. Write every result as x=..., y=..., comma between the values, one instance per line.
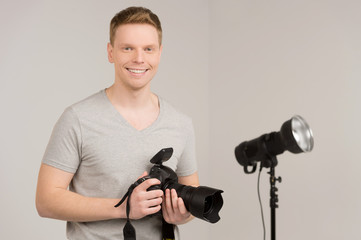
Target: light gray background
x=238, y=68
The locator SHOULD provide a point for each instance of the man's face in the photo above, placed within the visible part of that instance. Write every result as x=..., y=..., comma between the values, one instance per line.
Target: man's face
x=135, y=54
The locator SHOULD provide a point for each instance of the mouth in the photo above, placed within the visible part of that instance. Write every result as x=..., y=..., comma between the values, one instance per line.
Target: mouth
x=137, y=71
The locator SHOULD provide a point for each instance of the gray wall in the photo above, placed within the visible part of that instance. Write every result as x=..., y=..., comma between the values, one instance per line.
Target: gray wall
x=269, y=61
x=238, y=68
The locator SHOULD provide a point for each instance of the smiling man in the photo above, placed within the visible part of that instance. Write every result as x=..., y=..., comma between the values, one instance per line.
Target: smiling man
x=102, y=144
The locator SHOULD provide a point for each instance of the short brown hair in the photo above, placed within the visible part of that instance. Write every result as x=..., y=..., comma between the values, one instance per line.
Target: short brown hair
x=132, y=15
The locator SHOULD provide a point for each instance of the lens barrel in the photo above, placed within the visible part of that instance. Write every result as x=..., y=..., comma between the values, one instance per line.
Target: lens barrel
x=202, y=202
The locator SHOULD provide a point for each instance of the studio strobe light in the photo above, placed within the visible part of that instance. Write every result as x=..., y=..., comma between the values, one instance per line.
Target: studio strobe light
x=295, y=136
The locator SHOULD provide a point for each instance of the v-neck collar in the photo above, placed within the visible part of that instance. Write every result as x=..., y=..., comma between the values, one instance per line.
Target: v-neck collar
x=119, y=116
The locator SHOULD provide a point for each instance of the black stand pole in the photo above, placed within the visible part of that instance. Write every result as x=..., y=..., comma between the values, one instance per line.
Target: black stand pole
x=273, y=200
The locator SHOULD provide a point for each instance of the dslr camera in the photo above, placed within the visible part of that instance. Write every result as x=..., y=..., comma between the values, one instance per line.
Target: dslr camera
x=202, y=202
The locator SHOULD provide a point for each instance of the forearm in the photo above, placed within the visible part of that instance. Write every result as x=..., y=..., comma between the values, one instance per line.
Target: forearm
x=53, y=200
x=69, y=206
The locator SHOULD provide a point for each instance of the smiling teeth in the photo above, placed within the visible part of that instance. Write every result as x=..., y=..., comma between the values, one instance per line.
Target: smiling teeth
x=137, y=70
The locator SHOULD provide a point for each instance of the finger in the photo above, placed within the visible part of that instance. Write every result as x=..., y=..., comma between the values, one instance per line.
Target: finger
x=152, y=210
x=164, y=210
x=153, y=194
x=181, y=206
x=174, y=197
x=148, y=183
x=168, y=202
x=154, y=202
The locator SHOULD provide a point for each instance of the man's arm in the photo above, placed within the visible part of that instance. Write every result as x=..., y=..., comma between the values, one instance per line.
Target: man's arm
x=54, y=200
x=191, y=180
x=174, y=210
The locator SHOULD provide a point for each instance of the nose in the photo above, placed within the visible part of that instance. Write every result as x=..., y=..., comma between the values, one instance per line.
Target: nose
x=138, y=56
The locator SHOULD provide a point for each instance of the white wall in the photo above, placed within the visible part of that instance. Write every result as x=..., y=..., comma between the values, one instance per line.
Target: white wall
x=269, y=61
x=238, y=68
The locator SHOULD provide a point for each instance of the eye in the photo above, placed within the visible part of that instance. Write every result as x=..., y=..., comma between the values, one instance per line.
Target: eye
x=148, y=49
x=127, y=49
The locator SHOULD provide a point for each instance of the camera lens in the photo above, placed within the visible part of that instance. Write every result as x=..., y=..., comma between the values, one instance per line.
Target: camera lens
x=207, y=205
x=202, y=202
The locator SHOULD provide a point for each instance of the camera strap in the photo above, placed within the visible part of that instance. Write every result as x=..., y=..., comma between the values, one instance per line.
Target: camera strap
x=167, y=230
x=129, y=230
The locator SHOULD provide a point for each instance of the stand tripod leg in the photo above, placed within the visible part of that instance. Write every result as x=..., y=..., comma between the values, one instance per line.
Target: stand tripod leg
x=273, y=224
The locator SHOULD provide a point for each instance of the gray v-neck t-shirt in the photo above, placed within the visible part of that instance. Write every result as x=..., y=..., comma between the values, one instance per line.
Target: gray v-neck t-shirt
x=106, y=154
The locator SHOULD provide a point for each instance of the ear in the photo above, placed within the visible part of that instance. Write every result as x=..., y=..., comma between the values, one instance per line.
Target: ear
x=110, y=53
x=160, y=50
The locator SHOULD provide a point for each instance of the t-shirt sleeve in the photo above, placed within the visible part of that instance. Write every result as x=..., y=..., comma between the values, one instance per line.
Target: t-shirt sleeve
x=187, y=164
x=64, y=148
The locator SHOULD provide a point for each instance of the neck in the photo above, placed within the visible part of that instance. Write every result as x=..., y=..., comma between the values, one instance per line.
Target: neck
x=137, y=99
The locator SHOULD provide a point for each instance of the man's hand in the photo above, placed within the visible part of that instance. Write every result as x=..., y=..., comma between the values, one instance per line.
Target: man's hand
x=143, y=202
x=173, y=208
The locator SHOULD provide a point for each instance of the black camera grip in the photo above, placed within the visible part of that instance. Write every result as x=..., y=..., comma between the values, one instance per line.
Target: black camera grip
x=154, y=187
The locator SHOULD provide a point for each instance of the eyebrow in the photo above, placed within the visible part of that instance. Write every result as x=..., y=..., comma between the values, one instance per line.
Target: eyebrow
x=132, y=45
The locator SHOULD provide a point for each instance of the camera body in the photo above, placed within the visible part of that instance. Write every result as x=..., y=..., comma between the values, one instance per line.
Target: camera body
x=164, y=174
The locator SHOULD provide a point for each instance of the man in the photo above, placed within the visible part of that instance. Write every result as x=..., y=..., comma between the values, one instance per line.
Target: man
x=102, y=144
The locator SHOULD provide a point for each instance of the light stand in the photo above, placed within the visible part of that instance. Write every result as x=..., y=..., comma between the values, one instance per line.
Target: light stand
x=295, y=136
x=273, y=201
x=272, y=162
